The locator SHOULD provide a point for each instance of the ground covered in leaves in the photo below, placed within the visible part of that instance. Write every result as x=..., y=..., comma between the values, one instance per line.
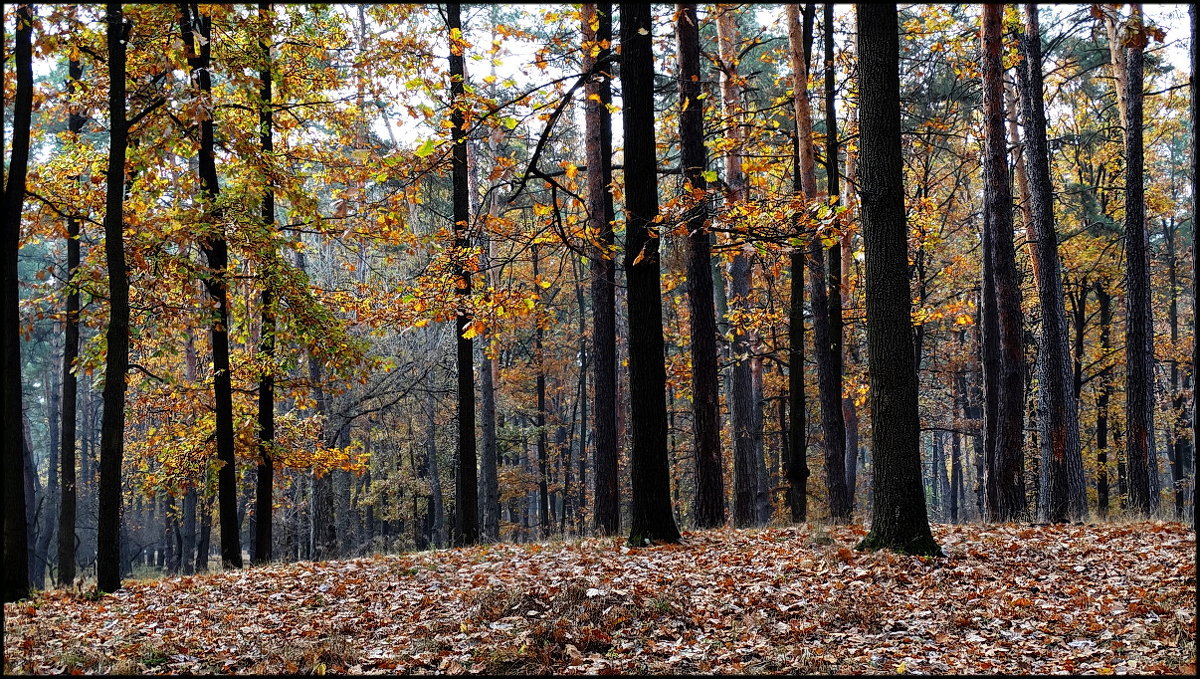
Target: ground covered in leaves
x=1110, y=598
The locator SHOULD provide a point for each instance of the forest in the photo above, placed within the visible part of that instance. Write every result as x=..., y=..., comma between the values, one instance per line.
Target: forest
x=599, y=338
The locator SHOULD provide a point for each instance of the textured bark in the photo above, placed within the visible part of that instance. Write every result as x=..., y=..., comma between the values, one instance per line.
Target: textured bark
x=1139, y=347
x=598, y=124
x=747, y=422
x=1065, y=494
x=1195, y=251
x=1180, y=446
x=651, y=517
x=466, y=495
x=68, y=502
x=543, y=473
x=112, y=427
x=265, y=476
x=1005, y=489
x=1103, y=396
x=196, y=30
x=489, y=482
x=899, y=520
x=709, y=508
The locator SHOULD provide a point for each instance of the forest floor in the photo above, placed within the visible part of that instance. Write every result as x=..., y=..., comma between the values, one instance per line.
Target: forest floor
x=1007, y=599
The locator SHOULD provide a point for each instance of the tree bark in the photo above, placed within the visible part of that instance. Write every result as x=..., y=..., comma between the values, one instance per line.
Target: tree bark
x=899, y=520
x=266, y=384
x=709, y=505
x=1005, y=492
x=1066, y=498
x=68, y=503
x=196, y=30
x=112, y=428
x=1139, y=340
x=1195, y=252
x=747, y=423
x=466, y=496
x=1103, y=396
x=651, y=517
x=16, y=533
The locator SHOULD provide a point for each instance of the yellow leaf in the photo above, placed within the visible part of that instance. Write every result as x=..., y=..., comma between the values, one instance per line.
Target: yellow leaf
x=901, y=668
x=489, y=79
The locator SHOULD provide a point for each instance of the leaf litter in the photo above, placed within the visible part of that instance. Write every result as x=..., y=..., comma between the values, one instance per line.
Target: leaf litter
x=1116, y=598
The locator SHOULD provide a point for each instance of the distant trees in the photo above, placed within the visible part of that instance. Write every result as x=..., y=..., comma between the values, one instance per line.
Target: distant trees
x=898, y=517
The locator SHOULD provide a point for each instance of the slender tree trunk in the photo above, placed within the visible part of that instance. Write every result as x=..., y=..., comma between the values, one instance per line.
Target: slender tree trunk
x=709, y=508
x=747, y=424
x=1102, y=400
x=1005, y=478
x=466, y=499
x=68, y=504
x=796, y=465
x=543, y=472
x=1180, y=446
x=651, y=517
x=1195, y=253
x=1066, y=497
x=899, y=520
x=196, y=30
x=1139, y=347
x=16, y=532
x=112, y=428
x=266, y=384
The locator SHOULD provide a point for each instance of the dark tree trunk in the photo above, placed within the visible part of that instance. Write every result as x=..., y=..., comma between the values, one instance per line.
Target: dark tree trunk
x=68, y=505
x=796, y=464
x=709, y=508
x=112, y=428
x=1195, y=252
x=1180, y=446
x=196, y=30
x=598, y=123
x=543, y=472
x=651, y=518
x=1102, y=400
x=16, y=533
x=899, y=520
x=266, y=384
x=1005, y=479
x=466, y=496
x=1139, y=347
x=1065, y=495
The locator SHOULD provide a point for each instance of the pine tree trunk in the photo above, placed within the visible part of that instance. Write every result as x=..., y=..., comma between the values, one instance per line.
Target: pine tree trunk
x=1065, y=494
x=651, y=517
x=1005, y=478
x=709, y=508
x=899, y=520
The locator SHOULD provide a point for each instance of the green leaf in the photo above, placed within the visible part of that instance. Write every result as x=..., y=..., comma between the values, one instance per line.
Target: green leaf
x=710, y=175
x=426, y=148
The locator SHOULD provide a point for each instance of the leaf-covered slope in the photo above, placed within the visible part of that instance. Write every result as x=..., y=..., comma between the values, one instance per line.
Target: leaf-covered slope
x=1007, y=599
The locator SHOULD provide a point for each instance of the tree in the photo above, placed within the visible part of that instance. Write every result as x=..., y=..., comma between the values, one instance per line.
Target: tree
x=1002, y=329
x=651, y=517
x=898, y=518
x=112, y=427
x=16, y=534
x=1195, y=249
x=597, y=28
x=1064, y=498
x=266, y=384
x=1139, y=333
x=67, y=478
x=196, y=30
x=749, y=503
x=466, y=497
x=709, y=508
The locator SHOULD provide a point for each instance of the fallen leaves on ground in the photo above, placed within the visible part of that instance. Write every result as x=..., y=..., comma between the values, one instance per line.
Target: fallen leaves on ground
x=1110, y=598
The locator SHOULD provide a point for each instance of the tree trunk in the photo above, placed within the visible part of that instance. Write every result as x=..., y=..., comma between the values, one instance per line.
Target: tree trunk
x=1195, y=253
x=899, y=520
x=651, y=517
x=1139, y=346
x=747, y=424
x=1180, y=445
x=112, y=428
x=543, y=473
x=466, y=498
x=1102, y=399
x=1005, y=479
x=709, y=508
x=600, y=215
x=266, y=384
x=1065, y=497
x=16, y=533
x=197, y=28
